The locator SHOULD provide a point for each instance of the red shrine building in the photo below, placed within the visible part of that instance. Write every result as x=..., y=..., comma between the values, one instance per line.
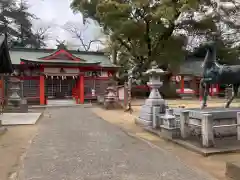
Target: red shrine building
x=189, y=76
x=61, y=74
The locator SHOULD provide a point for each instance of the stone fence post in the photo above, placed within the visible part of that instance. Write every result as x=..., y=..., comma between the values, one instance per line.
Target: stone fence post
x=184, y=129
x=207, y=130
x=156, y=111
x=238, y=127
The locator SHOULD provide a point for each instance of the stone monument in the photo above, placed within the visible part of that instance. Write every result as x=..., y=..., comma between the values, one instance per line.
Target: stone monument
x=154, y=100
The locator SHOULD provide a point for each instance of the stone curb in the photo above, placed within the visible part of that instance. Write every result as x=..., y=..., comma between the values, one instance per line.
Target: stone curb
x=56, y=106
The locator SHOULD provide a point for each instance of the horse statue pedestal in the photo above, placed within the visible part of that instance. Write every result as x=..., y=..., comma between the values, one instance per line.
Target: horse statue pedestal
x=209, y=124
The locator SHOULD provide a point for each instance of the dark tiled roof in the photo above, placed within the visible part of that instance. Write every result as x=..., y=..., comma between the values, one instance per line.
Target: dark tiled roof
x=192, y=66
x=90, y=57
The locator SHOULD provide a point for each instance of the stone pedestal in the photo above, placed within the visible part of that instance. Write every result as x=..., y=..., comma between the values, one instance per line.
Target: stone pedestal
x=207, y=131
x=154, y=99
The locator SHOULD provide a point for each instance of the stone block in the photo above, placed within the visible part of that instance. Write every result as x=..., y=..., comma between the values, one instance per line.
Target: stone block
x=155, y=102
x=143, y=122
x=146, y=116
x=170, y=133
x=147, y=109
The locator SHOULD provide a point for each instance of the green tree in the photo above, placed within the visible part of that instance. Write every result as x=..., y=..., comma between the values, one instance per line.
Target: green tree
x=148, y=31
x=16, y=21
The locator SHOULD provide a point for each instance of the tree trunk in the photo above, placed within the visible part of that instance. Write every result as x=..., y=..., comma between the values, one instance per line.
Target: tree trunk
x=168, y=89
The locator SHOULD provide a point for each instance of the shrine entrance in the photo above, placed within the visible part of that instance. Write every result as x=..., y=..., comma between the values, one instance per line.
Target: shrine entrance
x=59, y=87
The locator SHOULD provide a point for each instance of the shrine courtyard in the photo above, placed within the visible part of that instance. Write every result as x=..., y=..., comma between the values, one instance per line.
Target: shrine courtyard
x=92, y=143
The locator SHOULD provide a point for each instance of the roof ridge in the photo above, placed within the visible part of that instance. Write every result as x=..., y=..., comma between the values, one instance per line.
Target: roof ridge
x=54, y=50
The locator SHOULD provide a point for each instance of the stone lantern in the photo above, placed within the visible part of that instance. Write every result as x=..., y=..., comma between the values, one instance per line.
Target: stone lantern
x=154, y=99
x=169, y=126
x=111, y=98
x=16, y=101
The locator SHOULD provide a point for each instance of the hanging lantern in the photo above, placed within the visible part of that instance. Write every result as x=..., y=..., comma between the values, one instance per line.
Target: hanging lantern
x=51, y=77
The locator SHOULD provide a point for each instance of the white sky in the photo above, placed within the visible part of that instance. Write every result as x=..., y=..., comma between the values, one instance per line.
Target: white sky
x=55, y=13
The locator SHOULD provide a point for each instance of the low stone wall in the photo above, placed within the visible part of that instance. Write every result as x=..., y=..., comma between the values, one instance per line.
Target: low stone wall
x=220, y=117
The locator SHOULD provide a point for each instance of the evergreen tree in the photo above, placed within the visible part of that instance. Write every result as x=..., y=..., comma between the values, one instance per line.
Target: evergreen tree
x=148, y=31
x=15, y=20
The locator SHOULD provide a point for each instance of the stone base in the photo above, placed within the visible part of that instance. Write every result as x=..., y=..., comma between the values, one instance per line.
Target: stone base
x=9, y=119
x=146, y=113
x=22, y=108
x=230, y=145
x=220, y=116
x=143, y=122
x=170, y=133
x=154, y=102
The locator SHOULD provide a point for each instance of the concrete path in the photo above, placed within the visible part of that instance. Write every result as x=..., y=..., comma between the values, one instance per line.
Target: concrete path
x=74, y=144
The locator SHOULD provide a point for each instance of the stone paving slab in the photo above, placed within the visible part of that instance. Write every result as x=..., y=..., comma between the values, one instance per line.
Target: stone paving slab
x=75, y=144
x=19, y=118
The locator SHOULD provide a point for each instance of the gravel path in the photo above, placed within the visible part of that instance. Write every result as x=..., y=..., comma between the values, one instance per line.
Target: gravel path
x=74, y=144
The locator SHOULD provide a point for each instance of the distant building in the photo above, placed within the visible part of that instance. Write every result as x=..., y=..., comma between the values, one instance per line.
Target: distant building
x=190, y=73
x=60, y=74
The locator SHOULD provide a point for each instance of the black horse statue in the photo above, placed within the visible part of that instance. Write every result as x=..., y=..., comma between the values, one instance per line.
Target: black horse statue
x=215, y=73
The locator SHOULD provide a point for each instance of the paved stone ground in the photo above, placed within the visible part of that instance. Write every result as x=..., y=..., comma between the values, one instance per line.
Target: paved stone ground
x=74, y=144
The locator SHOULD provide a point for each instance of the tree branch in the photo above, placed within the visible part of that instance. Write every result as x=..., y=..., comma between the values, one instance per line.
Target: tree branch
x=166, y=34
x=78, y=33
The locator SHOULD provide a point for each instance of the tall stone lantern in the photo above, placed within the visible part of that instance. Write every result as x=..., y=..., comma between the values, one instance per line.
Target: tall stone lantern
x=16, y=100
x=155, y=99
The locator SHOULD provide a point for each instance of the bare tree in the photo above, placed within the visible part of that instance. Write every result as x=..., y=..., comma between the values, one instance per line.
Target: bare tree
x=41, y=35
x=78, y=33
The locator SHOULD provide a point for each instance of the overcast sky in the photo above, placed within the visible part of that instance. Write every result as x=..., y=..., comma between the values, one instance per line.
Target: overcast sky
x=55, y=13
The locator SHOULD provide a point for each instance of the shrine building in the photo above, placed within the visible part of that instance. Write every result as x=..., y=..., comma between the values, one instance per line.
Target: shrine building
x=61, y=74
x=189, y=76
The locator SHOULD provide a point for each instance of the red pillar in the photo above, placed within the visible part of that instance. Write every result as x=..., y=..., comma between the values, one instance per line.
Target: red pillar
x=42, y=90
x=81, y=88
x=182, y=84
